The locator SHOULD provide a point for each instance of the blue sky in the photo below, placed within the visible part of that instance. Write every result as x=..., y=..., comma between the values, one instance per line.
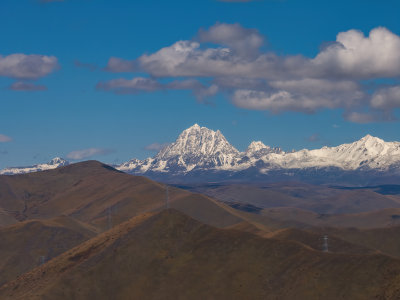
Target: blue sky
x=260, y=70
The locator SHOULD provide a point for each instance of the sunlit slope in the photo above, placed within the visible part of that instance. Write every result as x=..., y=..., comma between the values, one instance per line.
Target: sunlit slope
x=171, y=256
x=100, y=195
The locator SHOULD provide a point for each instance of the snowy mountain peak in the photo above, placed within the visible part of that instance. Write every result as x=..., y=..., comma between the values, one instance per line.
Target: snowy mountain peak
x=58, y=161
x=370, y=138
x=257, y=146
x=257, y=149
x=52, y=164
x=199, y=142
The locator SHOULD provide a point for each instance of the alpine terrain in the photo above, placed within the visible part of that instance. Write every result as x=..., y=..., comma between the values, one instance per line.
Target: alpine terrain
x=202, y=155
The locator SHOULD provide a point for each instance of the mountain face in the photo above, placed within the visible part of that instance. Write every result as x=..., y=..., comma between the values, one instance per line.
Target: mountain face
x=201, y=154
x=53, y=164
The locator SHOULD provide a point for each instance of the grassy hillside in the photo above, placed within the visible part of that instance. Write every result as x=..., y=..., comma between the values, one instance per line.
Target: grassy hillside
x=171, y=256
x=100, y=195
x=25, y=245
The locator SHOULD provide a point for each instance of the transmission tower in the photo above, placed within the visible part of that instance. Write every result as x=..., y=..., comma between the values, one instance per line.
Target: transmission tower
x=325, y=245
x=42, y=260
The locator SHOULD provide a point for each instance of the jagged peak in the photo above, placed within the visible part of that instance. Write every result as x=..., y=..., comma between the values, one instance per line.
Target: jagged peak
x=369, y=137
x=198, y=141
x=257, y=146
x=57, y=160
x=195, y=126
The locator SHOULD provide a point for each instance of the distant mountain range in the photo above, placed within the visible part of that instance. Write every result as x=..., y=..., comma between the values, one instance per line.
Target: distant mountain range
x=53, y=164
x=202, y=155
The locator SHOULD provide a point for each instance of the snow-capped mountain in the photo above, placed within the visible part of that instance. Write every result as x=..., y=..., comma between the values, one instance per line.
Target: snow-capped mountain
x=52, y=164
x=202, y=153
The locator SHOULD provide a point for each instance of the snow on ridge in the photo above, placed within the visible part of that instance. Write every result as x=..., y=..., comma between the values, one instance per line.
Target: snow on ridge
x=52, y=164
x=201, y=149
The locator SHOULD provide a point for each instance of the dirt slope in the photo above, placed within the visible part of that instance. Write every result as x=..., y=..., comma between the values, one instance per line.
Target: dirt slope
x=171, y=256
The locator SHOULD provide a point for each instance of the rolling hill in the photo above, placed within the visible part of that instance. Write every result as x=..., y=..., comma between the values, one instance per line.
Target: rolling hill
x=169, y=255
x=95, y=193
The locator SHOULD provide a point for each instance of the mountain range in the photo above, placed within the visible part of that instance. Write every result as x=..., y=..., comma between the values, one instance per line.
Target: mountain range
x=202, y=155
x=87, y=230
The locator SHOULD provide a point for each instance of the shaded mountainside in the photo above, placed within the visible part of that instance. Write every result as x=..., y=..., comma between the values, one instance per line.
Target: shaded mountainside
x=171, y=256
x=25, y=245
x=98, y=194
x=53, y=211
x=319, y=199
x=386, y=240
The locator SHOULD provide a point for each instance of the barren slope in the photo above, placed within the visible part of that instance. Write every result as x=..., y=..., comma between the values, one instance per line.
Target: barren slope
x=171, y=256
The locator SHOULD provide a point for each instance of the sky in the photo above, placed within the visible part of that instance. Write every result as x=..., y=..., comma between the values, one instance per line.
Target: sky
x=115, y=80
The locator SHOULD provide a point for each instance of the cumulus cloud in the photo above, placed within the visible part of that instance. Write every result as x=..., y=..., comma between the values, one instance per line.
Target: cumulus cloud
x=119, y=65
x=386, y=98
x=156, y=146
x=26, y=86
x=4, y=138
x=369, y=116
x=22, y=66
x=354, y=55
x=87, y=153
x=230, y=57
x=129, y=86
x=244, y=42
x=141, y=84
x=305, y=95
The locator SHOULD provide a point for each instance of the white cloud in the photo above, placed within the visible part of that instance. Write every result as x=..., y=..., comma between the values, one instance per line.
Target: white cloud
x=369, y=117
x=141, y=84
x=87, y=153
x=119, y=65
x=305, y=95
x=24, y=66
x=4, y=138
x=229, y=56
x=354, y=55
x=244, y=42
x=386, y=98
x=26, y=86
x=134, y=85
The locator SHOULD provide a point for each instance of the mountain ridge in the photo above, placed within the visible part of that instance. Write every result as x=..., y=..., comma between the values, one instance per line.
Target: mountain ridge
x=203, y=154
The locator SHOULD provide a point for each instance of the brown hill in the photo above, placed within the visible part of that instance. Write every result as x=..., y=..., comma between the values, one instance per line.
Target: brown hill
x=171, y=256
x=25, y=245
x=319, y=199
x=100, y=195
x=315, y=241
x=6, y=218
x=386, y=240
x=284, y=217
